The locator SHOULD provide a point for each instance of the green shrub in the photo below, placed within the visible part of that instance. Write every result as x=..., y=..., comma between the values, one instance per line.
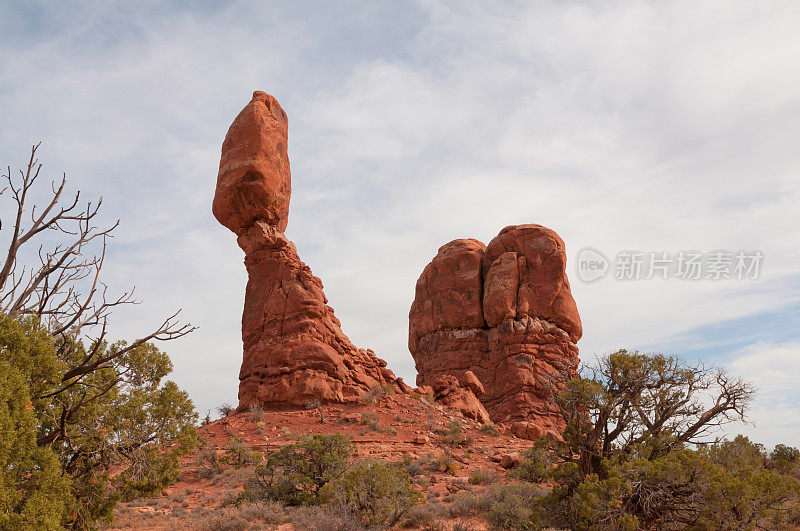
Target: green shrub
x=413, y=467
x=295, y=474
x=239, y=455
x=426, y=516
x=443, y=463
x=207, y=463
x=513, y=506
x=454, y=435
x=377, y=493
x=119, y=417
x=687, y=489
x=464, y=503
x=536, y=466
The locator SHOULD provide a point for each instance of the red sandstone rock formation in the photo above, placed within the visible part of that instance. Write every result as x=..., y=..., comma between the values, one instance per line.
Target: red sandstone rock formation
x=254, y=181
x=461, y=396
x=503, y=312
x=294, y=348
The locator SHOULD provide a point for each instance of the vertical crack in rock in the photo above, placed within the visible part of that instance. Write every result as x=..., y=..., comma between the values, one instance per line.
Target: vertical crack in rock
x=294, y=348
x=527, y=331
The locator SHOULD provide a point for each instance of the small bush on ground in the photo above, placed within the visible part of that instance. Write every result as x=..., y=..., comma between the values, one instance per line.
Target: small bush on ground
x=325, y=518
x=295, y=474
x=239, y=455
x=375, y=394
x=426, y=516
x=489, y=429
x=430, y=462
x=207, y=463
x=484, y=476
x=537, y=463
x=513, y=506
x=256, y=412
x=454, y=435
x=465, y=503
x=373, y=421
x=378, y=494
x=226, y=409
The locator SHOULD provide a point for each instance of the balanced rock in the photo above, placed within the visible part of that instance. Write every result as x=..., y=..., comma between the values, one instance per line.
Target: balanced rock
x=503, y=315
x=294, y=347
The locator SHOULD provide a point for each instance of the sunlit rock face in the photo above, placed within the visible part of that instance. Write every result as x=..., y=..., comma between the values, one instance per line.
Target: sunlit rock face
x=294, y=347
x=504, y=312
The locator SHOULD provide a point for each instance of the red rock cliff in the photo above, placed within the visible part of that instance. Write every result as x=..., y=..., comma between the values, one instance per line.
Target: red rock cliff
x=294, y=348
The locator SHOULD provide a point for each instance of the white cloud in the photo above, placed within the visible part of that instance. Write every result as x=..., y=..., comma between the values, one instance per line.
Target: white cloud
x=775, y=371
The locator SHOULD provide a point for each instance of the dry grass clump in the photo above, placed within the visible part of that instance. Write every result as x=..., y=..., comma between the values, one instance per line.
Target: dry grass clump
x=375, y=394
x=485, y=476
x=226, y=409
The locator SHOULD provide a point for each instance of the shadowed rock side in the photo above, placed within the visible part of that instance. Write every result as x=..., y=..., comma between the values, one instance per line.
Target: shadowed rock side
x=505, y=313
x=294, y=348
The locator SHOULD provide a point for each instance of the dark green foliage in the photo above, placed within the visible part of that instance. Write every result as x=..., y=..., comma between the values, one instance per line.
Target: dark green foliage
x=785, y=459
x=378, y=494
x=207, y=462
x=684, y=488
x=318, y=470
x=636, y=453
x=295, y=474
x=33, y=492
x=645, y=405
x=537, y=463
x=120, y=417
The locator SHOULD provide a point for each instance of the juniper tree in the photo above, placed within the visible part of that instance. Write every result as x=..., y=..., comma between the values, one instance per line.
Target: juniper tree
x=94, y=403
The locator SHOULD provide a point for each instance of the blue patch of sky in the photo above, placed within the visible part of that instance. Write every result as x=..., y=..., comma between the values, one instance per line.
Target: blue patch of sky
x=716, y=342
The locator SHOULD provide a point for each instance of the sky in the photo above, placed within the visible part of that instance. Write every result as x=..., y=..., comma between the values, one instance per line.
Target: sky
x=625, y=126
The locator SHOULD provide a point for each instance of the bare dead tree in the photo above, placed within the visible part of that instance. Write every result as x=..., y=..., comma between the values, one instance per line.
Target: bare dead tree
x=631, y=400
x=62, y=287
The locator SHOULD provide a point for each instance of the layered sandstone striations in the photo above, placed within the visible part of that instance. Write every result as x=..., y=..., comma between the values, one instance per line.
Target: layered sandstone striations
x=503, y=314
x=294, y=348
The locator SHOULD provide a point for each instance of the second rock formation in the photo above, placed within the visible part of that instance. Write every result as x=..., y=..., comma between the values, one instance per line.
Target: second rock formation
x=503, y=314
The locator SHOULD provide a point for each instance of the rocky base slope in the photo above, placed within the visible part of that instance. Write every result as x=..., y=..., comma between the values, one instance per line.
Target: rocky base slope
x=385, y=425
